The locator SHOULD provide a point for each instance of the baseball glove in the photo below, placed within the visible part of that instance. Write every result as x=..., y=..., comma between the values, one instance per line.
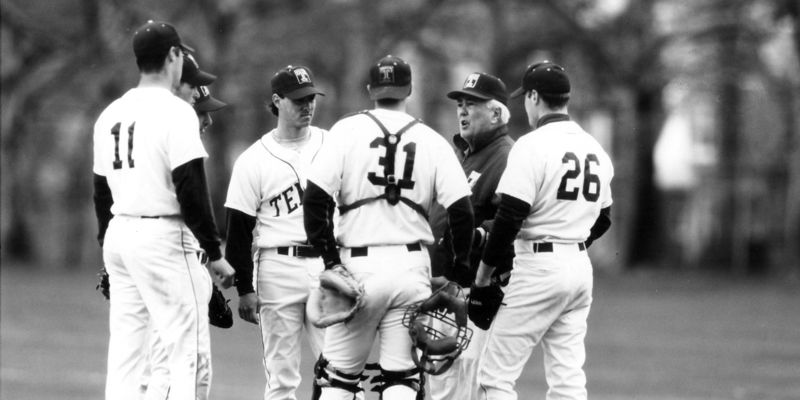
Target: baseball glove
x=102, y=283
x=338, y=298
x=219, y=313
x=483, y=303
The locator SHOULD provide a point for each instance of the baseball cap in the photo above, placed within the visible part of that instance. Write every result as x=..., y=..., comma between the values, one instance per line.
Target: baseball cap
x=545, y=77
x=205, y=102
x=193, y=75
x=389, y=78
x=294, y=82
x=482, y=86
x=156, y=37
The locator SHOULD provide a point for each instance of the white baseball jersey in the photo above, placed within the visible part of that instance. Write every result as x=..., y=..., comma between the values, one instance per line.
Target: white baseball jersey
x=268, y=181
x=565, y=175
x=350, y=167
x=138, y=140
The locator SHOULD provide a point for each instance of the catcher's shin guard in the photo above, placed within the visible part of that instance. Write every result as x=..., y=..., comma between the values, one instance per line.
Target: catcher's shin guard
x=327, y=376
x=413, y=378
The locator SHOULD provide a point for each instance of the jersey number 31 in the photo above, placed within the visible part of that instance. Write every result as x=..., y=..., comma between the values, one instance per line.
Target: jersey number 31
x=590, y=192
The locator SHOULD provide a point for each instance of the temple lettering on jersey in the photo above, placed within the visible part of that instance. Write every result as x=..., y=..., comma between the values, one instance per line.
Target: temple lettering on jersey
x=291, y=198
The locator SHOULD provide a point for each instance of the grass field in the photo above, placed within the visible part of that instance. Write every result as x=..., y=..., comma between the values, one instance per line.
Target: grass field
x=652, y=336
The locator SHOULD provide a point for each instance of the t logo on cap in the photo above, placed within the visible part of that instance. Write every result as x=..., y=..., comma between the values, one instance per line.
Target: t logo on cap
x=389, y=78
x=294, y=83
x=302, y=75
x=387, y=74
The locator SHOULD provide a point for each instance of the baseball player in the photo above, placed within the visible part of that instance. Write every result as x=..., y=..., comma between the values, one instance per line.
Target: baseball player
x=555, y=199
x=192, y=77
x=483, y=145
x=384, y=169
x=155, y=377
x=204, y=105
x=151, y=201
x=266, y=193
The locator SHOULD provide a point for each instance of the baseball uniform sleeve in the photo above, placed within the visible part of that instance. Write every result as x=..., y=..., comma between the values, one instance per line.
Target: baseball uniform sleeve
x=183, y=142
x=103, y=200
x=318, y=208
x=326, y=169
x=243, y=190
x=520, y=172
x=98, y=167
x=507, y=223
x=238, y=249
x=451, y=184
x=195, y=202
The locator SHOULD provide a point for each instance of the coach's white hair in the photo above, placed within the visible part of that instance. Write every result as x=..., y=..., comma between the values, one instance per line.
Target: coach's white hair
x=505, y=115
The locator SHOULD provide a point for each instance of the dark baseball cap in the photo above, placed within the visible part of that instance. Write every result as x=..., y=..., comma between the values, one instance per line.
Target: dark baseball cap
x=482, y=86
x=205, y=102
x=389, y=78
x=546, y=78
x=156, y=37
x=193, y=75
x=294, y=82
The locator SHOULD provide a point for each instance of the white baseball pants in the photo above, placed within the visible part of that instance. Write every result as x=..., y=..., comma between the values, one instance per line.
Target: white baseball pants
x=156, y=278
x=393, y=277
x=461, y=380
x=548, y=301
x=282, y=284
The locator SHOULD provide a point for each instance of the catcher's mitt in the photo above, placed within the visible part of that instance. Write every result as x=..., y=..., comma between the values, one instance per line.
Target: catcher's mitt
x=102, y=283
x=219, y=313
x=483, y=304
x=338, y=298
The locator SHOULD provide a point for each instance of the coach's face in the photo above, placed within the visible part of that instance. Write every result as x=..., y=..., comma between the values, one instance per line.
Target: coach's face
x=298, y=112
x=474, y=117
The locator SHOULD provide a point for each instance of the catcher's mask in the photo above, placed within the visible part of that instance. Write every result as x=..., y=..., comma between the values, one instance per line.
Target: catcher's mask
x=438, y=329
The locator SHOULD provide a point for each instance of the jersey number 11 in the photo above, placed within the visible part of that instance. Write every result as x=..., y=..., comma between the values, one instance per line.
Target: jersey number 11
x=115, y=133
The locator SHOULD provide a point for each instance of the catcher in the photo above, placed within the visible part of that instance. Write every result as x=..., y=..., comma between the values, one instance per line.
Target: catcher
x=395, y=168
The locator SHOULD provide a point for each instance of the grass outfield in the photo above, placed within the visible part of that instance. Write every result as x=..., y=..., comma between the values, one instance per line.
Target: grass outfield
x=652, y=336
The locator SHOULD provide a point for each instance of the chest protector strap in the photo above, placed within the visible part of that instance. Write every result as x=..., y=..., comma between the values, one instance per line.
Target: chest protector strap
x=392, y=191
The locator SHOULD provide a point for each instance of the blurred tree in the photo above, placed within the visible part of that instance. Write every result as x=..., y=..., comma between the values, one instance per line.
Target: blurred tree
x=57, y=75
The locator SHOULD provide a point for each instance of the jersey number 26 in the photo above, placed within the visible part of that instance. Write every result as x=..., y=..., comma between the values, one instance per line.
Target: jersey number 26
x=590, y=192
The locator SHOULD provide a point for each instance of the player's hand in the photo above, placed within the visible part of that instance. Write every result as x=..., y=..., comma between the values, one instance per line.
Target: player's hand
x=222, y=272
x=248, y=308
x=483, y=303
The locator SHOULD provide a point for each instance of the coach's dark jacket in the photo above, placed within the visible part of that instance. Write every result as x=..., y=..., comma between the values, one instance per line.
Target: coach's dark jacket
x=483, y=167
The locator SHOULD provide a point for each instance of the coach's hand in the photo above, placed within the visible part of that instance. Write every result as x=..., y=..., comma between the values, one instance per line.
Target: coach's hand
x=221, y=272
x=248, y=308
x=483, y=303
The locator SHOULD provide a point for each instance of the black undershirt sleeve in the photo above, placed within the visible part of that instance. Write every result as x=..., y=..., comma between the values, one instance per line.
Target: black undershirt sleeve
x=103, y=200
x=600, y=226
x=461, y=221
x=238, y=250
x=318, y=209
x=510, y=214
x=192, y=192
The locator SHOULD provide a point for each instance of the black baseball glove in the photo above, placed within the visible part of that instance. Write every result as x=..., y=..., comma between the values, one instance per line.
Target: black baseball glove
x=219, y=313
x=483, y=303
x=102, y=283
